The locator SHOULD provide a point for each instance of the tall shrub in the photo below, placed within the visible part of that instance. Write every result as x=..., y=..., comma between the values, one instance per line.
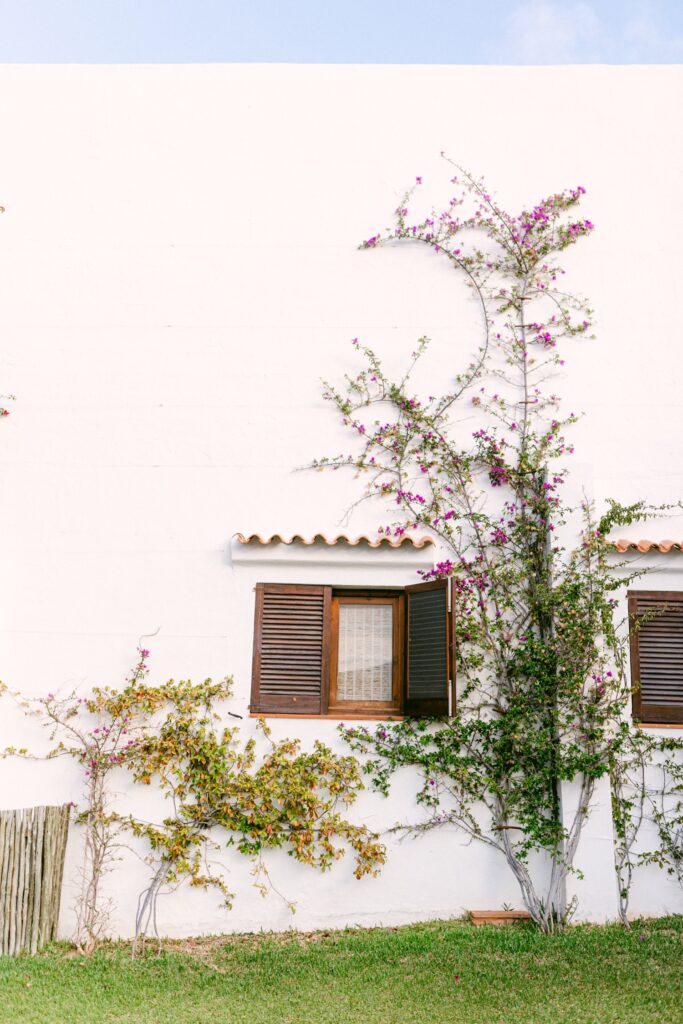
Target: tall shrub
x=482, y=464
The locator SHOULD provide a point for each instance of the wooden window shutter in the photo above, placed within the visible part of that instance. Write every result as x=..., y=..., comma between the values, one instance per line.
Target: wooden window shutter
x=656, y=621
x=451, y=648
x=291, y=649
x=427, y=661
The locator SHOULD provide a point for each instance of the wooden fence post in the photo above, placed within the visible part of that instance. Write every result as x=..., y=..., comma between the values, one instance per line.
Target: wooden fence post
x=32, y=849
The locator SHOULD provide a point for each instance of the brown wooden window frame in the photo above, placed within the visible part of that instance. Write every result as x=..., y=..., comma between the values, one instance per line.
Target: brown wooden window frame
x=648, y=712
x=397, y=603
x=277, y=643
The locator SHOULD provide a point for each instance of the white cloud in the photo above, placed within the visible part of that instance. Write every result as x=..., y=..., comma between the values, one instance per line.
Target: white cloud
x=543, y=32
x=645, y=42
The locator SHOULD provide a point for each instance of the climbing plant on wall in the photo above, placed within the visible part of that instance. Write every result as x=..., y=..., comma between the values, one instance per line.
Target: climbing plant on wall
x=482, y=464
x=221, y=793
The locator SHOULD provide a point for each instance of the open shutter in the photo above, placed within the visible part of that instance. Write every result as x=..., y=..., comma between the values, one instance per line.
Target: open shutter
x=451, y=650
x=291, y=649
x=656, y=619
x=427, y=661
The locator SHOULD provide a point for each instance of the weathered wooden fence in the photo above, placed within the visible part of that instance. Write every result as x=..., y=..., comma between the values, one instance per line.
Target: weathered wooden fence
x=32, y=848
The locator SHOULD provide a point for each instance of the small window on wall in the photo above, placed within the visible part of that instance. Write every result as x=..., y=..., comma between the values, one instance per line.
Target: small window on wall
x=321, y=650
x=365, y=654
x=656, y=625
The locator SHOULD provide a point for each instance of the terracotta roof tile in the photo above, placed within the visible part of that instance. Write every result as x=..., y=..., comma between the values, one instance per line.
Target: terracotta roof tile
x=663, y=547
x=643, y=546
x=407, y=540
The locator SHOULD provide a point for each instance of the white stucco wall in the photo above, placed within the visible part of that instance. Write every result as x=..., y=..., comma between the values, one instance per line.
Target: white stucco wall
x=178, y=268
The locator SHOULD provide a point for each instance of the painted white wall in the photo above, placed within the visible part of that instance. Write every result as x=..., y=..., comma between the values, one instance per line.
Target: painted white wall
x=178, y=268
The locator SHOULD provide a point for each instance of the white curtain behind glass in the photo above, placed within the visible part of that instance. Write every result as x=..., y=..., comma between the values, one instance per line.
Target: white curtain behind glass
x=365, y=651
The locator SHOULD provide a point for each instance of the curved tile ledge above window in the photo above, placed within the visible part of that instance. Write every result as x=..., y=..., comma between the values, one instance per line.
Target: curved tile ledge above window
x=320, y=549
x=643, y=547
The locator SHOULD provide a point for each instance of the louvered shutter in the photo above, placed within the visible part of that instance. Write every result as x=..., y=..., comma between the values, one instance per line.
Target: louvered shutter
x=656, y=619
x=291, y=649
x=427, y=661
x=451, y=648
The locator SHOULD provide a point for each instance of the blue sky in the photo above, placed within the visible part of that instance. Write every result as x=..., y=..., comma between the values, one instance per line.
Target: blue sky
x=343, y=31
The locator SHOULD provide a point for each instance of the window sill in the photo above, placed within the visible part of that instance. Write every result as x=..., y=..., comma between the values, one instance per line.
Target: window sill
x=336, y=717
x=659, y=725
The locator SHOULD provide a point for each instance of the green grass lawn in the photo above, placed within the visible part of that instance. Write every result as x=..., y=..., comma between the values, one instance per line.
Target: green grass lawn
x=439, y=972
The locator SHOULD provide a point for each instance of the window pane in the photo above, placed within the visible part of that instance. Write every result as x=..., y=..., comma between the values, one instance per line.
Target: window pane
x=365, y=652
